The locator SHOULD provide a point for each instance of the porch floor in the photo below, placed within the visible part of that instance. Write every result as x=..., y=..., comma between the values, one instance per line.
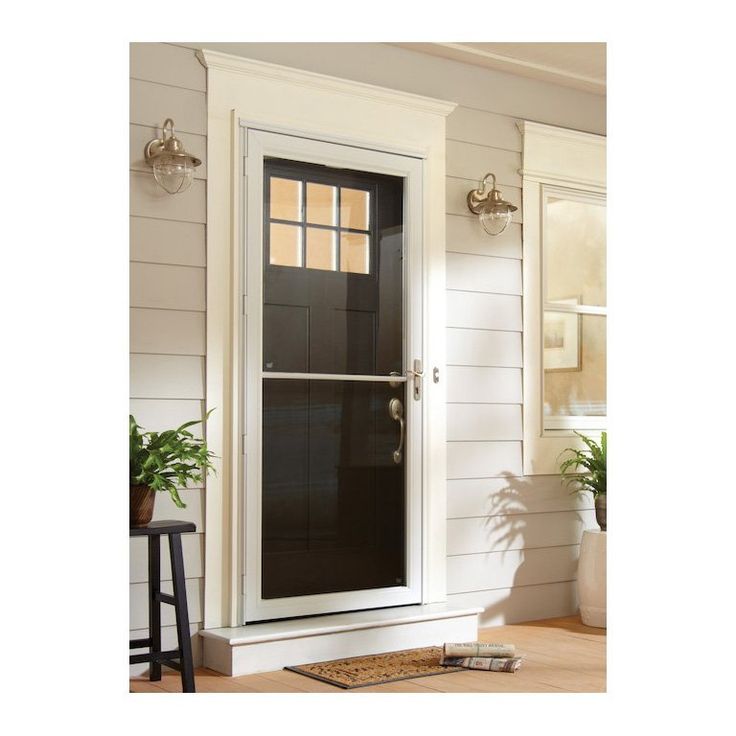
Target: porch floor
x=560, y=655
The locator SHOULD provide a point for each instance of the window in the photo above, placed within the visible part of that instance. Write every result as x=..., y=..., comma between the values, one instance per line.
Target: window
x=574, y=310
x=318, y=218
x=564, y=291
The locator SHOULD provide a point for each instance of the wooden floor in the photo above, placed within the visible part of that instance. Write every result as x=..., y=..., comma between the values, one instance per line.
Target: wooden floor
x=560, y=655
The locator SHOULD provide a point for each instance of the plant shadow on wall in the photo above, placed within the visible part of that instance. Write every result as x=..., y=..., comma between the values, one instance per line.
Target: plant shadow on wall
x=537, y=532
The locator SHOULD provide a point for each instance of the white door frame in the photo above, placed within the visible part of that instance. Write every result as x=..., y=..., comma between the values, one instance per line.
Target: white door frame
x=294, y=145
x=334, y=109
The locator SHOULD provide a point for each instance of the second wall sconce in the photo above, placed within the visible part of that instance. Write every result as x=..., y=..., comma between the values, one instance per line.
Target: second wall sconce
x=173, y=167
x=495, y=212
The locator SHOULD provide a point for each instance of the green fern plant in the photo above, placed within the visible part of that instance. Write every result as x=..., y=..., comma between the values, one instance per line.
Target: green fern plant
x=585, y=470
x=167, y=461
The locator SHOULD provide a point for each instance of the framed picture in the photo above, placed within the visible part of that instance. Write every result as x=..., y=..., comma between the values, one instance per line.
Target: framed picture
x=561, y=339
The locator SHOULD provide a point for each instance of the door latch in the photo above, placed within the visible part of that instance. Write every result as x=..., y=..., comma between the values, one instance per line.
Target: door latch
x=416, y=374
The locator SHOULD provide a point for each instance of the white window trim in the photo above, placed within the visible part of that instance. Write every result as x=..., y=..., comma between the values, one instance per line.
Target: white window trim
x=552, y=158
x=337, y=110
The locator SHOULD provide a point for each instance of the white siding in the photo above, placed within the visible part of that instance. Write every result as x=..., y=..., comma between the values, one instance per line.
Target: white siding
x=159, y=286
x=167, y=241
x=167, y=331
x=512, y=542
x=166, y=377
x=483, y=348
x=167, y=299
x=483, y=273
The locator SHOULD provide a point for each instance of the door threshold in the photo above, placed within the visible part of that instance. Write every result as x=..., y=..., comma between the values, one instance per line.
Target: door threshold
x=324, y=615
x=268, y=646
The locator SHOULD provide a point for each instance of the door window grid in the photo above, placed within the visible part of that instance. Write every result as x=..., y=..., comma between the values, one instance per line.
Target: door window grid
x=305, y=240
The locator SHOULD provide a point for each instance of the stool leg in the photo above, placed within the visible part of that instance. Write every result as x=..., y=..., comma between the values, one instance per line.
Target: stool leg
x=182, y=614
x=154, y=604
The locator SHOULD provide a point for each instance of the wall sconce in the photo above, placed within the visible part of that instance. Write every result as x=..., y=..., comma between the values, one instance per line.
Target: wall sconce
x=495, y=212
x=173, y=167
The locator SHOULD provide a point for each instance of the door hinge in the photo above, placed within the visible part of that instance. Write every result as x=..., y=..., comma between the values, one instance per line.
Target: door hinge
x=245, y=166
x=242, y=444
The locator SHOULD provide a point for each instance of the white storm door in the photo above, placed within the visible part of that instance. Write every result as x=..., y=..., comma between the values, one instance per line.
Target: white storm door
x=333, y=409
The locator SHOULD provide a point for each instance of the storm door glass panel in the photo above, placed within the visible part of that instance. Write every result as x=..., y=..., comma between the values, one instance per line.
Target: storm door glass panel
x=333, y=491
x=333, y=498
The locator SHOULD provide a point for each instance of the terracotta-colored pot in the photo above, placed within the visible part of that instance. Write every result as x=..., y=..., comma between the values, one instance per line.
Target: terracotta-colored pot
x=600, y=511
x=142, y=499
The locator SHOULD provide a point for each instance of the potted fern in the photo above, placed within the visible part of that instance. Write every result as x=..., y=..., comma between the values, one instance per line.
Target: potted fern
x=163, y=461
x=585, y=470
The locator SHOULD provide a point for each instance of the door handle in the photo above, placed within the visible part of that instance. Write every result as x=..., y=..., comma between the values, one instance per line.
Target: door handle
x=396, y=412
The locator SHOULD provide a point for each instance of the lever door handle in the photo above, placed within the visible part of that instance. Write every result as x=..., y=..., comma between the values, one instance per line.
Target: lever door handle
x=396, y=412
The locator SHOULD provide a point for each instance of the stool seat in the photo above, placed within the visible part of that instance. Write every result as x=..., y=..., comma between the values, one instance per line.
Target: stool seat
x=155, y=657
x=163, y=527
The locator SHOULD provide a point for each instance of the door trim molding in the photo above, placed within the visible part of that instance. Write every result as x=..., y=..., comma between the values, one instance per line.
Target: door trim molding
x=325, y=108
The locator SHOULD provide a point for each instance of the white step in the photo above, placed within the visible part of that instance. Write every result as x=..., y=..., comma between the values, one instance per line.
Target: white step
x=244, y=650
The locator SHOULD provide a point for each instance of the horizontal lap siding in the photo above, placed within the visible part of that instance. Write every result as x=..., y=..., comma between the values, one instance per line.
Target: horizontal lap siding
x=506, y=569
x=167, y=331
x=167, y=241
x=483, y=348
x=160, y=286
x=516, y=531
x=512, y=542
x=508, y=495
x=166, y=377
x=481, y=273
x=167, y=300
x=520, y=602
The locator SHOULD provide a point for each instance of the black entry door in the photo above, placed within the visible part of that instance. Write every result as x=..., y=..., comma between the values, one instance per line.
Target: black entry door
x=333, y=485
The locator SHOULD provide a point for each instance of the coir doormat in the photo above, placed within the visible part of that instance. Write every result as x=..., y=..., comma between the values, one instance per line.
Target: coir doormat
x=375, y=669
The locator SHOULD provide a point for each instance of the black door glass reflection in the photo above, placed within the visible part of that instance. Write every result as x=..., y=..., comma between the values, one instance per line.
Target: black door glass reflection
x=333, y=285
x=333, y=497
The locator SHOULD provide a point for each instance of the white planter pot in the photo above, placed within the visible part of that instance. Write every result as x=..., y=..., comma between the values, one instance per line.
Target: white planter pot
x=592, y=578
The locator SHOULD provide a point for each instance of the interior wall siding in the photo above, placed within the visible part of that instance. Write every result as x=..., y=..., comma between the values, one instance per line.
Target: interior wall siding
x=512, y=540
x=167, y=306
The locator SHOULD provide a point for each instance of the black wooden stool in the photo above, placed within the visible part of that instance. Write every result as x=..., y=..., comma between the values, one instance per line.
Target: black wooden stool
x=155, y=656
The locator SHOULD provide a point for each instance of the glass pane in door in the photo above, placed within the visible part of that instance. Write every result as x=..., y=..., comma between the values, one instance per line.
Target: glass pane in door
x=333, y=501
x=338, y=283
x=333, y=491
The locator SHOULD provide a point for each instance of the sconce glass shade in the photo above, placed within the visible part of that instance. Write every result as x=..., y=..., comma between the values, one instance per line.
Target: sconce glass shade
x=495, y=219
x=494, y=212
x=173, y=174
x=173, y=167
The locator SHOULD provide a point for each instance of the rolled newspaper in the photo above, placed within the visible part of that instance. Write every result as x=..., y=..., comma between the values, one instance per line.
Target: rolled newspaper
x=492, y=664
x=478, y=649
